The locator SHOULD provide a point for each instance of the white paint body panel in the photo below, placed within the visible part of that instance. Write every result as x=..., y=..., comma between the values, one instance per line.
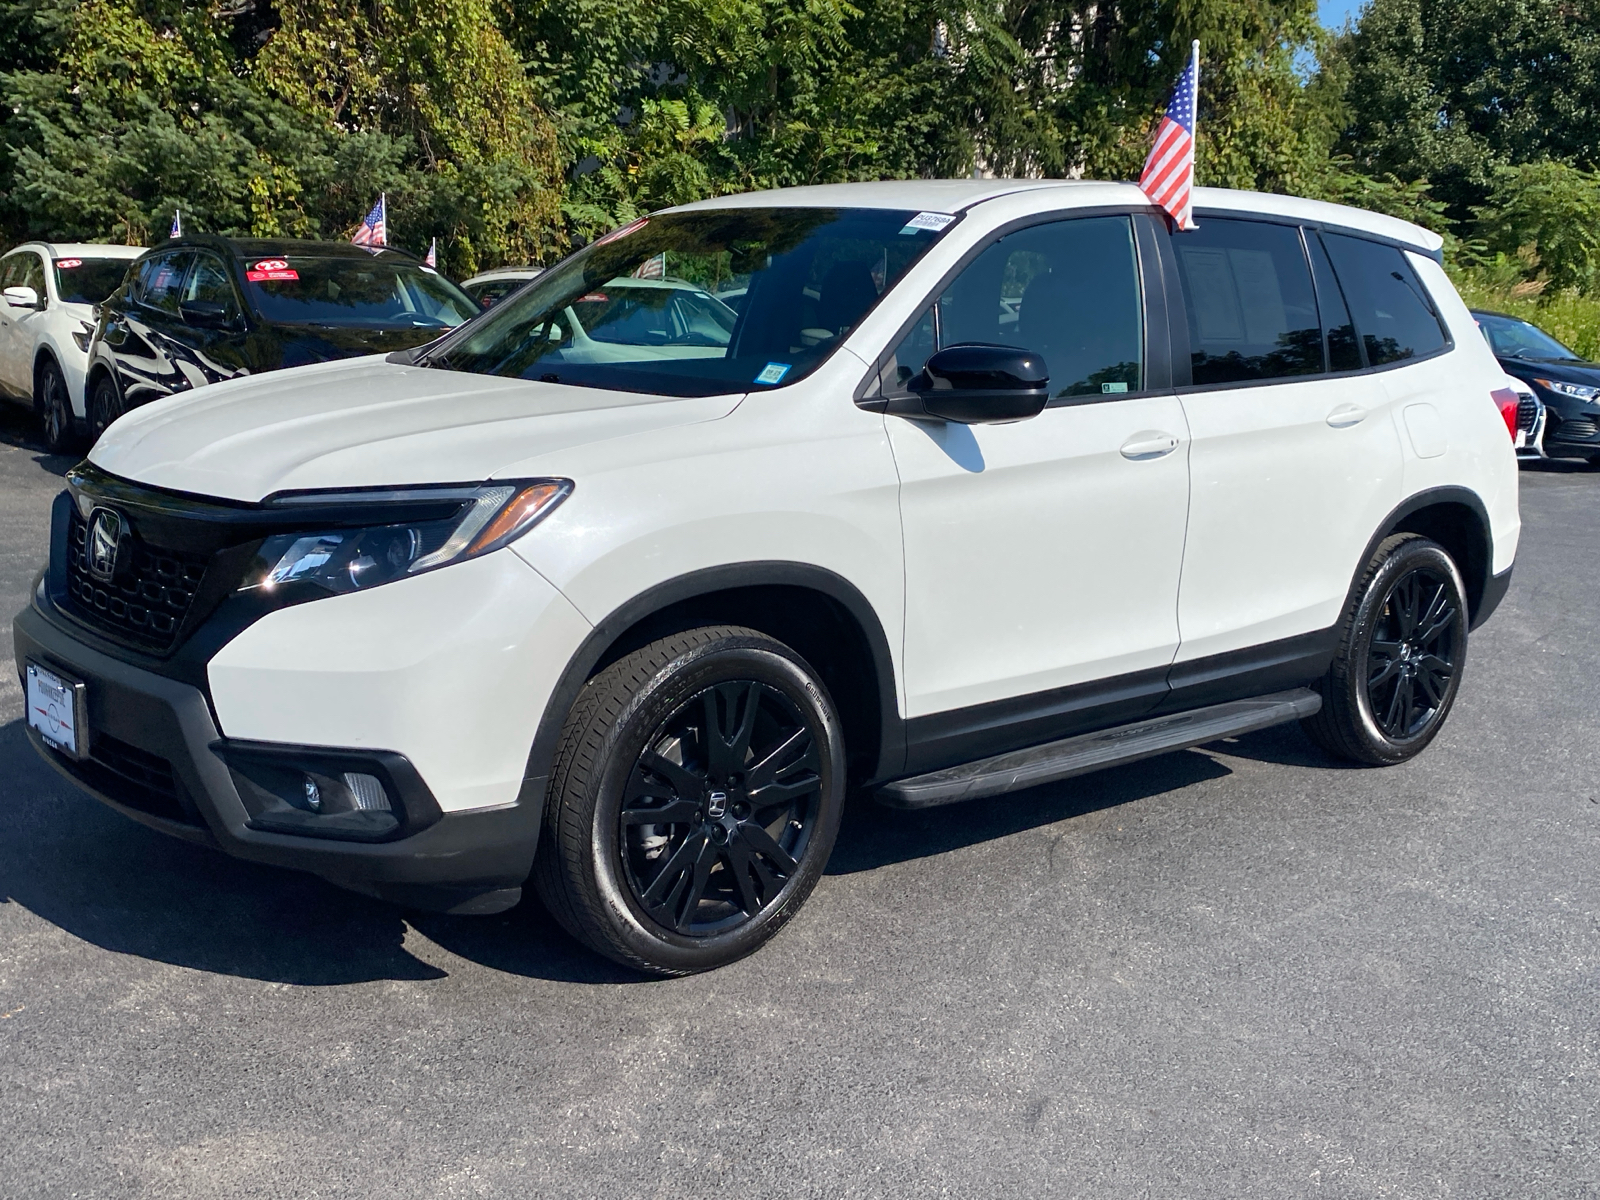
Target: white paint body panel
x=1061, y=561
x=451, y=669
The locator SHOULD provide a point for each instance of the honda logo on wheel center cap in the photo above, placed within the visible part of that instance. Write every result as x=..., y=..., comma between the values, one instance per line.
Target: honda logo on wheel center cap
x=107, y=531
x=716, y=805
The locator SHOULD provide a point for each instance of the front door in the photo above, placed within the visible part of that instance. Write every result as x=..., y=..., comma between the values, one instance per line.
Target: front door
x=1042, y=557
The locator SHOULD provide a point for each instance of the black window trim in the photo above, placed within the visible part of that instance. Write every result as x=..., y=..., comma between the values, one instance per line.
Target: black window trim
x=1183, y=379
x=1153, y=286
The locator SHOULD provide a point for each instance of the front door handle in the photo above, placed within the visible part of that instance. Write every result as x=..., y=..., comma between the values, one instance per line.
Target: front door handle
x=1347, y=415
x=1149, y=443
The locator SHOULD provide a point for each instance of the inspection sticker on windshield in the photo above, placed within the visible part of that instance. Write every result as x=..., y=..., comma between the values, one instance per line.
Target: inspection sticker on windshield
x=271, y=268
x=773, y=373
x=927, y=220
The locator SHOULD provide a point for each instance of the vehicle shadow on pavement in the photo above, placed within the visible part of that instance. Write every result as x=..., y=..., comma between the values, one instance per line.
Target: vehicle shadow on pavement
x=18, y=428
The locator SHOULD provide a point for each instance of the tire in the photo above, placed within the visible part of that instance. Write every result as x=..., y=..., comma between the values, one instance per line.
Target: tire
x=105, y=406
x=1391, y=685
x=719, y=872
x=54, y=408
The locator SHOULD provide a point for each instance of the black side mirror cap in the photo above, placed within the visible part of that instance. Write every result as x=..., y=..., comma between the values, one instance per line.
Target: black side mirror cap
x=978, y=383
x=207, y=314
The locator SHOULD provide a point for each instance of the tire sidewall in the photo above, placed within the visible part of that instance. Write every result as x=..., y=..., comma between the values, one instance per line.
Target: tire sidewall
x=105, y=406
x=53, y=398
x=662, y=695
x=1406, y=558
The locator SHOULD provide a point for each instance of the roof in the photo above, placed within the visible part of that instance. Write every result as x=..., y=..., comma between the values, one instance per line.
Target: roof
x=83, y=249
x=278, y=247
x=957, y=195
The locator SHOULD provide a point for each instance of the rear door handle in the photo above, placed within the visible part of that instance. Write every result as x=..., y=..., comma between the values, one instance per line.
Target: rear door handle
x=1149, y=443
x=1347, y=415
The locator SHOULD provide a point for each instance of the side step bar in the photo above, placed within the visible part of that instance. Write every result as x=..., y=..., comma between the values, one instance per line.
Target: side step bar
x=1092, y=751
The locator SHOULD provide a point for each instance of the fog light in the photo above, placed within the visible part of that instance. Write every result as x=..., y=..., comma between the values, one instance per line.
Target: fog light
x=308, y=798
x=313, y=795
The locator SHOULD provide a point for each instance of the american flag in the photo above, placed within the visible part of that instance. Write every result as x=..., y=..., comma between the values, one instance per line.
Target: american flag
x=433, y=254
x=374, y=228
x=1168, y=175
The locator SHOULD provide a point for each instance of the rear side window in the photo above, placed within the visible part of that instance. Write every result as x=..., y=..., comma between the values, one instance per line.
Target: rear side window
x=1068, y=290
x=1252, y=309
x=1393, y=315
x=156, y=286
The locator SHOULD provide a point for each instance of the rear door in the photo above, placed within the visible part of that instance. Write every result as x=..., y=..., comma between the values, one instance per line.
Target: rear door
x=1294, y=463
x=1042, y=557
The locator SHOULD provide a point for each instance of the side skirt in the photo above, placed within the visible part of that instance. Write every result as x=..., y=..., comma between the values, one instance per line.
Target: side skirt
x=1095, y=751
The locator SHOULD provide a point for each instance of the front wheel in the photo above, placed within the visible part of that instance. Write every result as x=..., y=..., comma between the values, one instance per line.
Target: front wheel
x=696, y=795
x=1398, y=666
x=55, y=410
x=105, y=406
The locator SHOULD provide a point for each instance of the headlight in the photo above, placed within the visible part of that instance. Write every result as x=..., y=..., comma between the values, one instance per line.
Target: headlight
x=362, y=555
x=1576, y=390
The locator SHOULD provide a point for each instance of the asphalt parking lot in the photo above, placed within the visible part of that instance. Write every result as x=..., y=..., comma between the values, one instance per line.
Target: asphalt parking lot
x=1236, y=971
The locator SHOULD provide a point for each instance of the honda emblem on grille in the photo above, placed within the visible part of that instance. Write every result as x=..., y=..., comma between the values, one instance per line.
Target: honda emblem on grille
x=108, y=530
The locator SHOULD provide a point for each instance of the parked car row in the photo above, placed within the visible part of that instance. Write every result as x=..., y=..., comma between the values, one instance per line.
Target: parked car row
x=88, y=332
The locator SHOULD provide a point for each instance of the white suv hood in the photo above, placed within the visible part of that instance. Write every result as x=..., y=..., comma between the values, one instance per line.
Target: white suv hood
x=366, y=422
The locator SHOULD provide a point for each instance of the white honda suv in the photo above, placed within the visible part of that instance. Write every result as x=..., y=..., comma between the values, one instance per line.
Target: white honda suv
x=928, y=490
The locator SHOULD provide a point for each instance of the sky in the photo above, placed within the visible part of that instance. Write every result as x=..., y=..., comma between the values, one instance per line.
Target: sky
x=1334, y=12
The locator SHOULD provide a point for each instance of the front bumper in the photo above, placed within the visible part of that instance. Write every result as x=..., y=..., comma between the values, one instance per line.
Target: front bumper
x=154, y=756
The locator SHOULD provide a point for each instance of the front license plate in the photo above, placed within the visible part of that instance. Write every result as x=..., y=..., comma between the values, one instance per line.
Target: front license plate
x=58, y=709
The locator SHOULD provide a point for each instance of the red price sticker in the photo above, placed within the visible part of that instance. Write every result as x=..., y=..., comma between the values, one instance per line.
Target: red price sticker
x=592, y=298
x=271, y=269
x=272, y=264
x=66, y=264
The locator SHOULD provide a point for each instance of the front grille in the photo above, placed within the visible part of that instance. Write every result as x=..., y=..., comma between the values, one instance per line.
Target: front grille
x=1577, y=429
x=132, y=777
x=1527, y=414
x=146, y=604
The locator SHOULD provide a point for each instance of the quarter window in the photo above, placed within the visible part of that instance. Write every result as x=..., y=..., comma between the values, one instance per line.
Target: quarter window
x=1067, y=290
x=1252, y=311
x=1392, y=312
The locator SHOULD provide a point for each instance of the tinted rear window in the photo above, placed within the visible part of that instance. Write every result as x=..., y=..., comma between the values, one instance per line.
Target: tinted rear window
x=1393, y=316
x=89, y=280
x=370, y=294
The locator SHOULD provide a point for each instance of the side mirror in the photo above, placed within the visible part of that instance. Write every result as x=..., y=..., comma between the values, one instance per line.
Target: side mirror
x=22, y=297
x=206, y=314
x=976, y=383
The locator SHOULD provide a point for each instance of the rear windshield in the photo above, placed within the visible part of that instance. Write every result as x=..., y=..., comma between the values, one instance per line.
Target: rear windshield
x=89, y=280
x=375, y=294
x=697, y=303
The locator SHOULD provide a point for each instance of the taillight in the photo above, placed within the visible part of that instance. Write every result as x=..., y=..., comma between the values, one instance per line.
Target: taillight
x=1507, y=400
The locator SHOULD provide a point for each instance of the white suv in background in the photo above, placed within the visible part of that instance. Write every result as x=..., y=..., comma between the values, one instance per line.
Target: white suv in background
x=981, y=484
x=48, y=291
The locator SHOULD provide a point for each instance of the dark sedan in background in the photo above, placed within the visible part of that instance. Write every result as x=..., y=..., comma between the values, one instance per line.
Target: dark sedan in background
x=1568, y=386
x=201, y=309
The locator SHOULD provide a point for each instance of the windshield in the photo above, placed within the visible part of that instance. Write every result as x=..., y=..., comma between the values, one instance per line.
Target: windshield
x=697, y=303
x=1511, y=338
x=353, y=292
x=89, y=280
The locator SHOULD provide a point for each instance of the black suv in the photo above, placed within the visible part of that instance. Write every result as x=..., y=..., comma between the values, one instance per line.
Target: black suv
x=201, y=309
x=1569, y=386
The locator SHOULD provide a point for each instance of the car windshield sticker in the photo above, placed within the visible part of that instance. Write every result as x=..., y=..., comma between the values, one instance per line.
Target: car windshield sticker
x=773, y=373
x=271, y=268
x=66, y=264
x=592, y=298
x=1113, y=387
x=631, y=227
x=927, y=220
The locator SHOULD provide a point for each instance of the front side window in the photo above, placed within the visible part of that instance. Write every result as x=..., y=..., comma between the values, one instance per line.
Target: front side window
x=359, y=293
x=1068, y=291
x=33, y=274
x=159, y=281
x=11, y=271
x=208, y=283
x=1252, y=311
x=1393, y=314
x=700, y=303
x=88, y=280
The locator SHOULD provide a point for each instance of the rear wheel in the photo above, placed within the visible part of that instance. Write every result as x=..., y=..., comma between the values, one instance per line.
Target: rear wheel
x=1398, y=667
x=105, y=406
x=55, y=410
x=695, y=799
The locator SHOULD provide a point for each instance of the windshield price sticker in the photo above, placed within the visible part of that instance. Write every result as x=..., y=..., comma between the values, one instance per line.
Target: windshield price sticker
x=66, y=264
x=927, y=220
x=271, y=268
x=773, y=373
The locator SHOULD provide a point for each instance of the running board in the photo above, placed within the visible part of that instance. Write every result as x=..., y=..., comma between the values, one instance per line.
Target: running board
x=1093, y=751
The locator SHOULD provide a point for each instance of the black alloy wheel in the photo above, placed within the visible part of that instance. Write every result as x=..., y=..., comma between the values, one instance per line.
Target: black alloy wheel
x=694, y=800
x=1395, y=675
x=105, y=406
x=720, y=805
x=55, y=410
